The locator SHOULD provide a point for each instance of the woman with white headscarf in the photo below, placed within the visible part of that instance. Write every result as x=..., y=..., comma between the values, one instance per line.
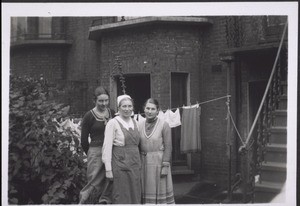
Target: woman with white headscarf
x=121, y=154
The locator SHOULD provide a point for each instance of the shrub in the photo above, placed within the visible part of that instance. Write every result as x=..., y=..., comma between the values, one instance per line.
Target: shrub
x=43, y=169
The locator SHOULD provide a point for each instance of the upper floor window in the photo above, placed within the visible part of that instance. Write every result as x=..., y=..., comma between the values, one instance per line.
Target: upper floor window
x=25, y=28
x=276, y=20
x=18, y=27
x=45, y=27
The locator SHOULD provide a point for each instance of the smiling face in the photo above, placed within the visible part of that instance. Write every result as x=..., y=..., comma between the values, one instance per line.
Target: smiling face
x=126, y=108
x=102, y=102
x=151, y=110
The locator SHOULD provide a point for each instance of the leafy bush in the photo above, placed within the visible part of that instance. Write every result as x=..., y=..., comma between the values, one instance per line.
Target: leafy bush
x=43, y=169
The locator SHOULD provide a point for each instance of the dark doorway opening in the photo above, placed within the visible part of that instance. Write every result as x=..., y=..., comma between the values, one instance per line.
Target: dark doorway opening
x=256, y=92
x=178, y=98
x=138, y=87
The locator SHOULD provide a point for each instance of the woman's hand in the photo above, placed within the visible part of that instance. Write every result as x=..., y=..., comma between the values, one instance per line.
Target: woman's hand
x=164, y=169
x=109, y=175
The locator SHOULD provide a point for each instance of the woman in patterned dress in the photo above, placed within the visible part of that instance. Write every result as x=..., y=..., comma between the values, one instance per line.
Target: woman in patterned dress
x=156, y=150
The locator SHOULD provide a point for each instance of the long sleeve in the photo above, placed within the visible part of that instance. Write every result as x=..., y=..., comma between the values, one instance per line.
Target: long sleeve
x=85, y=130
x=167, y=139
x=109, y=136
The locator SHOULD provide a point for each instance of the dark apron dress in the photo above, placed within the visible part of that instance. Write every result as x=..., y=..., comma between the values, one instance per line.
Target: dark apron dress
x=126, y=168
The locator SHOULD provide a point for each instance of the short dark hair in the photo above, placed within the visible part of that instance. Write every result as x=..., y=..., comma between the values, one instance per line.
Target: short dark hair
x=99, y=91
x=152, y=101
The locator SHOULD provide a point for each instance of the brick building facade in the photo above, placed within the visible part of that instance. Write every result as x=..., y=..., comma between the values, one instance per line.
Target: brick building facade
x=177, y=60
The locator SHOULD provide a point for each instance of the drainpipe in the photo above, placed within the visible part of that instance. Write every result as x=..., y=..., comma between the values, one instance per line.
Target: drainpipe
x=228, y=138
x=228, y=59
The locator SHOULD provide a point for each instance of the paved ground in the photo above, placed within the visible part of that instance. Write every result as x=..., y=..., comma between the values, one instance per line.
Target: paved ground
x=200, y=192
x=187, y=191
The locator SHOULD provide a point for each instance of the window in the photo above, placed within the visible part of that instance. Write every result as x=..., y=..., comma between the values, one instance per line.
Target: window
x=23, y=28
x=45, y=27
x=276, y=20
x=18, y=28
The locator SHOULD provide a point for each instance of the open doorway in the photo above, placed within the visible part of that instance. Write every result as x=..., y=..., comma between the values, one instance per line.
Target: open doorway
x=256, y=92
x=179, y=97
x=138, y=87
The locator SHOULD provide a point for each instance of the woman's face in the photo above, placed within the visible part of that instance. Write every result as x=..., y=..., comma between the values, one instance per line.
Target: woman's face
x=126, y=108
x=102, y=101
x=151, y=111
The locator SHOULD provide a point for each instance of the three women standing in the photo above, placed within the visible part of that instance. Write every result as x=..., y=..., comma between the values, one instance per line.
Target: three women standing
x=121, y=154
x=134, y=180
x=156, y=150
x=93, y=126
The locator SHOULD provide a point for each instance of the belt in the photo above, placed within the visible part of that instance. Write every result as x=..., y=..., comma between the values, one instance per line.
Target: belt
x=145, y=153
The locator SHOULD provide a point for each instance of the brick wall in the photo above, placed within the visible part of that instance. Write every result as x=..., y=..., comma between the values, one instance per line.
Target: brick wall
x=37, y=60
x=158, y=50
x=213, y=115
x=82, y=61
x=180, y=49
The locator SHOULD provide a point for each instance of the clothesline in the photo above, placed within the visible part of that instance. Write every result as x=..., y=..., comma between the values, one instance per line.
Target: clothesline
x=234, y=125
x=211, y=100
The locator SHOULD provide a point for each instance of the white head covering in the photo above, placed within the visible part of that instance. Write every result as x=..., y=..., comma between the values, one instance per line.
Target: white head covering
x=121, y=97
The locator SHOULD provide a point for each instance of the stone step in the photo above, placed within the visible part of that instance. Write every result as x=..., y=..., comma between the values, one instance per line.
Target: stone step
x=264, y=192
x=280, y=118
x=266, y=186
x=282, y=102
x=284, y=87
x=275, y=153
x=278, y=135
x=181, y=170
x=264, y=197
x=273, y=172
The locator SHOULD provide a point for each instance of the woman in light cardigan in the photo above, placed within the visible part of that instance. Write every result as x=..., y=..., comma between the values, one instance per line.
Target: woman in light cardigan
x=121, y=154
x=156, y=150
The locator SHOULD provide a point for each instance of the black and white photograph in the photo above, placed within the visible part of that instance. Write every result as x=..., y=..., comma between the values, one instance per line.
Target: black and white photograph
x=149, y=103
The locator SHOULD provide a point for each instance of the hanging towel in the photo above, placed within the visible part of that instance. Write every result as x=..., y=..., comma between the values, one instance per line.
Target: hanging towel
x=140, y=118
x=190, y=129
x=136, y=117
x=173, y=118
x=161, y=115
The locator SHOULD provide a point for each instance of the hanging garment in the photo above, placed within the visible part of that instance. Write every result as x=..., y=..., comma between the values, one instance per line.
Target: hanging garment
x=161, y=115
x=190, y=129
x=141, y=118
x=173, y=118
x=136, y=117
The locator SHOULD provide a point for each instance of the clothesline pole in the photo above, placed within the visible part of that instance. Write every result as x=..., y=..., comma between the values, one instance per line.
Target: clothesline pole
x=228, y=136
x=228, y=143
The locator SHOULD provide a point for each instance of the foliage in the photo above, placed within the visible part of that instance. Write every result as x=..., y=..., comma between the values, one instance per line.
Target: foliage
x=43, y=169
x=117, y=70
